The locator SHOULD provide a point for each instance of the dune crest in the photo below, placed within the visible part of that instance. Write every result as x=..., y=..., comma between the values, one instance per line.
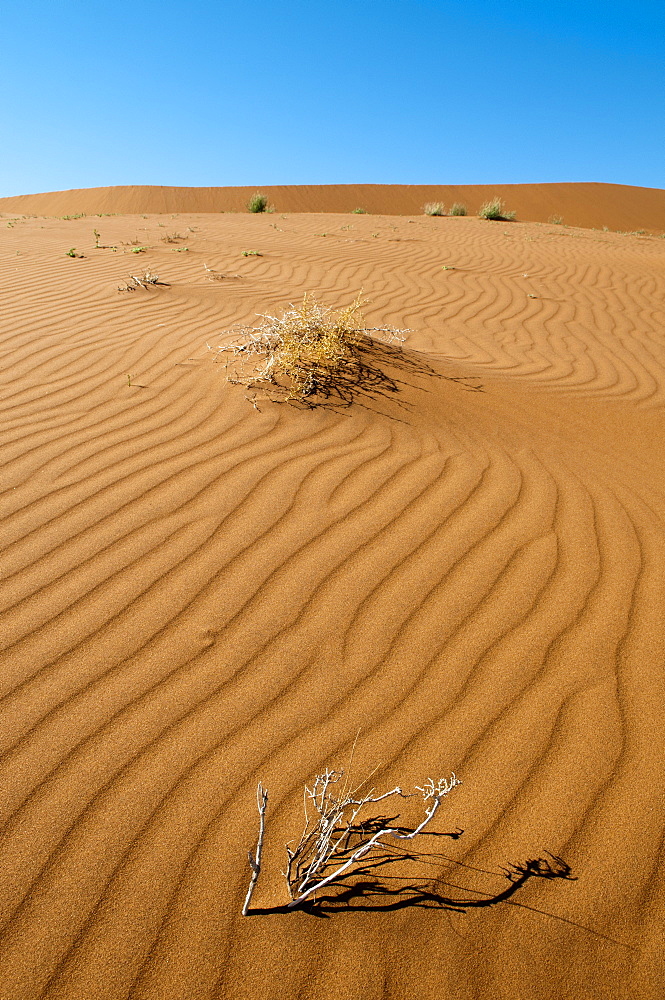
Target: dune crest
x=620, y=207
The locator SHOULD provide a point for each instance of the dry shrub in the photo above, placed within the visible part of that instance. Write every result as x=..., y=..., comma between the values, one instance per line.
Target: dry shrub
x=340, y=834
x=349, y=851
x=339, y=837
x=145, y=280
x=434, y=208
x=313, y=355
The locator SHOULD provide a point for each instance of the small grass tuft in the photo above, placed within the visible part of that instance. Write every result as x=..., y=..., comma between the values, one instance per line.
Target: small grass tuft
x=258, y=202
x=495, y=211
x=360, y=211
x=458, y=208
x=555, y=220
x=434, y=208
x=101, y=246
x=73, y=252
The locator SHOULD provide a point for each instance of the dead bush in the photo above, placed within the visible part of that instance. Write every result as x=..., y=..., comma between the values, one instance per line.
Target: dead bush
x=313, y=355
x=338, y=837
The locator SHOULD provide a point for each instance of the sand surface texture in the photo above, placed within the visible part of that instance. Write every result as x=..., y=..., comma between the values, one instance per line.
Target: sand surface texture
x=198, y=594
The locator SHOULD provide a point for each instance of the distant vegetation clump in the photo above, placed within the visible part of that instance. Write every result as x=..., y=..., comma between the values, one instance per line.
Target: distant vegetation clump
x=258, y=202
x=458, y=208
x=434, y=208
x=555, y=220
x=495, y=210
x=360, y=211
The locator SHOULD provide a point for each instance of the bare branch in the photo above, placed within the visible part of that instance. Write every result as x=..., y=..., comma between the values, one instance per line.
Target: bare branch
x=331, y=845
x=255, y=860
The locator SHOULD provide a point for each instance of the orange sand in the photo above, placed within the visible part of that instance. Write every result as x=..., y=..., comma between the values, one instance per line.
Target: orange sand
x=197, y=595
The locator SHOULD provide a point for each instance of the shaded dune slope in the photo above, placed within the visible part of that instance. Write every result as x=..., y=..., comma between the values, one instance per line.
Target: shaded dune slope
x=197, y=594
x=618, y=206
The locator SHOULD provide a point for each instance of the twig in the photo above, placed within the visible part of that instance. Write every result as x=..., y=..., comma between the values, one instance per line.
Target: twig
x=255, y=860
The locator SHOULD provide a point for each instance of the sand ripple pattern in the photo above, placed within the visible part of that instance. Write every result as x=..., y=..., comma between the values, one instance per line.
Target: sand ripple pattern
x=196, y=594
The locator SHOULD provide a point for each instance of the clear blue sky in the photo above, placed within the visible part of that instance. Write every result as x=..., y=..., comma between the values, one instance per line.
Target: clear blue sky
x=209, y=92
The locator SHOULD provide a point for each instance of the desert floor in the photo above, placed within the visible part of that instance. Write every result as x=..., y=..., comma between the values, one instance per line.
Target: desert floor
x=198, y=593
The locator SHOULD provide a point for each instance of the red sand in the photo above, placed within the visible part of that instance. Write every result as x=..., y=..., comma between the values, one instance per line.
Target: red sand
x=594, y=205
x=197, y=594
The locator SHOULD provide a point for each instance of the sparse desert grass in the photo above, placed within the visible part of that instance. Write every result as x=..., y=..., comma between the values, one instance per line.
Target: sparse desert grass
x=258, y=202
x=434, y=208
x=313, y=355
x=172, y=238
x=496, y=211
x=458, y=208
x=252, y=253
x=73, y=252
x=555, y=220
x=360, y=211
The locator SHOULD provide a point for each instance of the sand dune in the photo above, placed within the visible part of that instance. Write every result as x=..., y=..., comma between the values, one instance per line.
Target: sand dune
x=197, y=594
x=617, y=206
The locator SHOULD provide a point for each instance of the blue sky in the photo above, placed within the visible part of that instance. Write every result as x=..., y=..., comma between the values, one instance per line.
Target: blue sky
x=385, y=91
